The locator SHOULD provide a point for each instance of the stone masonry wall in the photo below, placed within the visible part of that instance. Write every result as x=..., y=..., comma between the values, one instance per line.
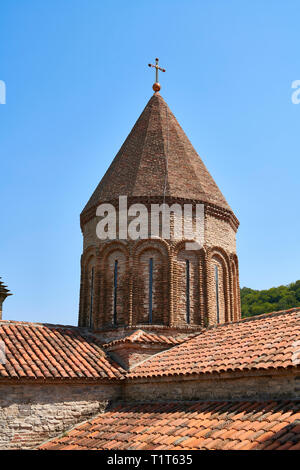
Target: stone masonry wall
x=219, y=387
x=31, y=414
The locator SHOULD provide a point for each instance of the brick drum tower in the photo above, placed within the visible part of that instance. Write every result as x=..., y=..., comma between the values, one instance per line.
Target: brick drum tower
x=154, y=283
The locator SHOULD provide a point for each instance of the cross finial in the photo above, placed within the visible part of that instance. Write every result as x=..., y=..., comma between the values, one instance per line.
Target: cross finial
x=156, y=86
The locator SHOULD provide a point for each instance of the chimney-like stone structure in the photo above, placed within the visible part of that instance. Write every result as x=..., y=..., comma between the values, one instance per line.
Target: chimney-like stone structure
x=157, y=283
x=4, y=292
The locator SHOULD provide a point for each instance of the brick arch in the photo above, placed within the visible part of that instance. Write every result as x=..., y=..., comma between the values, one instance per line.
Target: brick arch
x=87, y=287
x=181, y=246
x=90, y=251
x=111, y=307
x=188, y=294
x=159, y=243
x=107, y=248
x=218, y=250
x=218, y=257
x=158, y=251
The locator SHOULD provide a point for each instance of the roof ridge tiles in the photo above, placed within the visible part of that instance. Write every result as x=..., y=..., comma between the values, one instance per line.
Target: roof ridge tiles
x=199, y=354
x=252, y=318
x=41, y=324
x=140, y=336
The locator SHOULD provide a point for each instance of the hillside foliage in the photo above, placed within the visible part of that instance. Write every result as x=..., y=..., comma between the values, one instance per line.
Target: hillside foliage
x=255, y=302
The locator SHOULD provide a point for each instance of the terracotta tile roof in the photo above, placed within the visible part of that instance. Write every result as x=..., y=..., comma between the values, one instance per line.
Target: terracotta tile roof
x=143, y=337
x=262, y=342
x=193, y=425
x=38, y=351
x=138, y=170
x=44, y=351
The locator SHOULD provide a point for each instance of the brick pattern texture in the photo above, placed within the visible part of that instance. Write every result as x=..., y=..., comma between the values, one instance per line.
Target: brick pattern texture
x=139, y=167
x=156, y=164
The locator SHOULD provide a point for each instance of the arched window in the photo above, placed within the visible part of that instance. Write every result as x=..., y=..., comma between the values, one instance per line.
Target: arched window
x=187, y=298
x=149, y=287
x=90, y=290
x=150, y=293
x=219, y=290
x=235, y=288
x=187, y=293
x=217, y=293
x=91, y=297
x=116, y=289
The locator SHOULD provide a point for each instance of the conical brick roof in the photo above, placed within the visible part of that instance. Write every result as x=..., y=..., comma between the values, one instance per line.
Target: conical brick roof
x=157, y=159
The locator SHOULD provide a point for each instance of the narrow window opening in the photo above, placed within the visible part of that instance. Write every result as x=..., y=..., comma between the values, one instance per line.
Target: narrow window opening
x=217, y=292
x=91, y=299
x=150, y=288
x=187, y=293
x=115, y=292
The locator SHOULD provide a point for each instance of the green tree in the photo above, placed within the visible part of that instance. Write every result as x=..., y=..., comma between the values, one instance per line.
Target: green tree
x=256, y=302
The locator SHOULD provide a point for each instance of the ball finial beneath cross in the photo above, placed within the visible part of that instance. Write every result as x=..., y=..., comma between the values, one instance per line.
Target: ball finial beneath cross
x=156, y=87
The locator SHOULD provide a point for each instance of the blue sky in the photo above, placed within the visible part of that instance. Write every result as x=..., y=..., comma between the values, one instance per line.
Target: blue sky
x=77, y=79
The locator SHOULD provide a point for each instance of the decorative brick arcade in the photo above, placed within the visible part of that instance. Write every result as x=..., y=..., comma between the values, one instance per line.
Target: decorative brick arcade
x=156, y=283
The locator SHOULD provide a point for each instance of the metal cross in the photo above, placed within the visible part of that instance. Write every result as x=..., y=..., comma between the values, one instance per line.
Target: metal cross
x=157, y=68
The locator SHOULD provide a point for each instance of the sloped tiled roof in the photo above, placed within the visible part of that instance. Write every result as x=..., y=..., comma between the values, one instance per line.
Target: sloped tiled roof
x=157, y=159
x=189, y=426
x=43, y=351
x=262, y=342
x=38, y=351
x=143, y=337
